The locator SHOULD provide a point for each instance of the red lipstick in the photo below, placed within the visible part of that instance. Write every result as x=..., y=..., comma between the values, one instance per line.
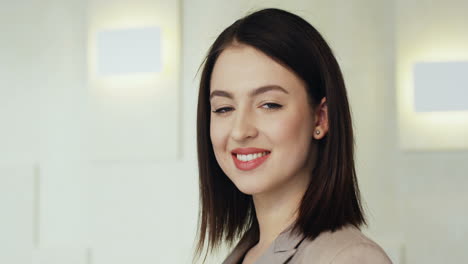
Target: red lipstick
x=251, y=164
x=246, y=151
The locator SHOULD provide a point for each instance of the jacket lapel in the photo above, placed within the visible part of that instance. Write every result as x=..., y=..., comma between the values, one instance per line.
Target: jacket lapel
x=247, y=241
x=281, y=250
x=276, y=257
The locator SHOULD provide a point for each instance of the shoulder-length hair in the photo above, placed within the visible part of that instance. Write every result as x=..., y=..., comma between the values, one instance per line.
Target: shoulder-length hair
x=332, y=198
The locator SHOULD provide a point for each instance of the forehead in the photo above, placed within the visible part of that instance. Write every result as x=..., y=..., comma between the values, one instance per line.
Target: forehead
x=243, y=68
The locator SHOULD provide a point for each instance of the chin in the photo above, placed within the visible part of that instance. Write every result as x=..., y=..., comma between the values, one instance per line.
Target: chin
x=250, y=188
x=248, y=191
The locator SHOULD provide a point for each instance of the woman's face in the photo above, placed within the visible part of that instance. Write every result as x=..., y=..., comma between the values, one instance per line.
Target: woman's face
x=260, y=104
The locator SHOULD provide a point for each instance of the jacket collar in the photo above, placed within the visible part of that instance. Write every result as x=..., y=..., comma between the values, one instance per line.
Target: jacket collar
x=282, y=248
x=287, y=240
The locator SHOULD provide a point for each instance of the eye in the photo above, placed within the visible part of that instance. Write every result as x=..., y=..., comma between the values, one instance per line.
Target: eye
x=272, y=106
x=222, y=110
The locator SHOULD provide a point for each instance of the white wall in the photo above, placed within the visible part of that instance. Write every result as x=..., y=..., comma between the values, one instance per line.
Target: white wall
x=65, y=197
x=63, y=208
x=431, y=184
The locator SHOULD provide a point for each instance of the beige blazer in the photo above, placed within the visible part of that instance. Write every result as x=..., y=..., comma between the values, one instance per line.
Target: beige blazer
x=347, y=245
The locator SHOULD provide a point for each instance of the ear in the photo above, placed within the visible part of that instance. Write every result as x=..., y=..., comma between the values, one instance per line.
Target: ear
x=321, y=120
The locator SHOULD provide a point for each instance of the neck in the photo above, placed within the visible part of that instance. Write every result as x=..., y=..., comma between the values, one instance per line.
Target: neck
x=278, y=209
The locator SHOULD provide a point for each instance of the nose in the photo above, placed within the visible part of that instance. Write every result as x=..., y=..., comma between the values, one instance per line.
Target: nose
x=244, y=126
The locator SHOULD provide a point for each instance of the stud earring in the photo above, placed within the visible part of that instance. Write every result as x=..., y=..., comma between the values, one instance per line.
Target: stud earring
x=317, y=132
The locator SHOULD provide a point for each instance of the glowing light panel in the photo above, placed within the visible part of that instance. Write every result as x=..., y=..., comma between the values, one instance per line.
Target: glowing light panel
x=135, y=50
x=441, y=86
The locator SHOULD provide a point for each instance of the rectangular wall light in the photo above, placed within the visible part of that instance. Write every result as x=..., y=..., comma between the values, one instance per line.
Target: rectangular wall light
x=124, y=51
x=441, y=86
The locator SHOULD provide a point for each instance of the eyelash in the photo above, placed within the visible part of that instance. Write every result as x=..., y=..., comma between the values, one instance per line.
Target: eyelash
x=276, y=106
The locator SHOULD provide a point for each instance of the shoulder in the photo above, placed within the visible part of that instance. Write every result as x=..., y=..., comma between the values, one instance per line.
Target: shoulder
x=346, y=245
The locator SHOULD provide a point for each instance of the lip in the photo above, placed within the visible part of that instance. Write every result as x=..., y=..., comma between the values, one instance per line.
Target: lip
x=251, y=164
x=246, y=151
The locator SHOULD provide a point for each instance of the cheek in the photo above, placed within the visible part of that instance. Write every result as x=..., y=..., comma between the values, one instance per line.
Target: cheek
x=292, y=127
x=217, y=135
x=292, y=135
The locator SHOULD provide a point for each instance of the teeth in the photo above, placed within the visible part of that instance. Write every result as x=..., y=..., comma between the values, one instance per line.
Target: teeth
x=250, y=157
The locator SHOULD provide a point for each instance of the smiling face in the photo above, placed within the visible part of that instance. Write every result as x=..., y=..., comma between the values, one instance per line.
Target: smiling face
x=258, y=103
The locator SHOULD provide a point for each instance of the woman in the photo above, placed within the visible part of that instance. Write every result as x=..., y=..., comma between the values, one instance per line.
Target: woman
x=275, y=148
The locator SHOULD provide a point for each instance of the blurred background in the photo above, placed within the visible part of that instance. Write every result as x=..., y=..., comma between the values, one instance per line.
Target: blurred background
x=97, y=138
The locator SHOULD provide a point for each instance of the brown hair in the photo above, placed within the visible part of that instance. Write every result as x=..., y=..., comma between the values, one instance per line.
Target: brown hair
x=332, y=198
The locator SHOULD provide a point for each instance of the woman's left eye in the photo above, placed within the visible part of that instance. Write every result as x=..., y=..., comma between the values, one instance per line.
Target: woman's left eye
x=272, y=105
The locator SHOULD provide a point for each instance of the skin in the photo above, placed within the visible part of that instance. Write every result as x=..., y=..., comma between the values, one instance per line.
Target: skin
x=286, y=129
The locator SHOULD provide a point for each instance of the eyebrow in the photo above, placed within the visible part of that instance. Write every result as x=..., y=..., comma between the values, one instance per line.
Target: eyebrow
x=259, y=90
